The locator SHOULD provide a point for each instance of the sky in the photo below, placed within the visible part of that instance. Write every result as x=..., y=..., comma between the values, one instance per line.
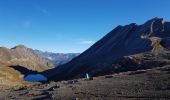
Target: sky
x=71, y=26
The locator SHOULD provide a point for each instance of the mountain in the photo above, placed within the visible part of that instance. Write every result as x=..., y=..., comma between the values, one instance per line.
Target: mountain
x=132, y=45
x=17, y=62
x=23, y=56
x=57, y=58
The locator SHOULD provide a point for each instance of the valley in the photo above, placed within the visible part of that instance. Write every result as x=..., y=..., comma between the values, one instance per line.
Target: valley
x=130, y=62
x=84, y=50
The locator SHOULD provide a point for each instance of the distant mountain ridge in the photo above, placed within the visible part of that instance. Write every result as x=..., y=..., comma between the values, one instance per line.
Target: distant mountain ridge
x=57, y=58
x=105, y=55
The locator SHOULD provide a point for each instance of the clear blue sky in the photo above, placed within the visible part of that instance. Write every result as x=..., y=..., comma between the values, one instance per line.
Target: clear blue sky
x=70, y=25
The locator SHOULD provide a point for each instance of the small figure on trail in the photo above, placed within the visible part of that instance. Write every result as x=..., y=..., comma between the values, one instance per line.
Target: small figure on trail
x=87, y=76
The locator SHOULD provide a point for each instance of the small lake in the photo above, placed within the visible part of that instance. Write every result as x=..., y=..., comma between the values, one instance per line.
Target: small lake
x=35, y=78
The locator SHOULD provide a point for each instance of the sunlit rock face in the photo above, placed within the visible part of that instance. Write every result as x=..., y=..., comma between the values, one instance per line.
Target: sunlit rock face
x=120, y=42
x=18, y=61
x=25, y=57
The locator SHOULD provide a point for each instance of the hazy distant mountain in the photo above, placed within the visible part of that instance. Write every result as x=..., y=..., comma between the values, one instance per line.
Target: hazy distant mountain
x=112, y=52
x=57, y=58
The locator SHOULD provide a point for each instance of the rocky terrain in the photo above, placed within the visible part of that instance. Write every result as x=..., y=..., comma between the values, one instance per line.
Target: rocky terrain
x=17, y=62
x=150, y=84
x=119, y=45
x=57, y=58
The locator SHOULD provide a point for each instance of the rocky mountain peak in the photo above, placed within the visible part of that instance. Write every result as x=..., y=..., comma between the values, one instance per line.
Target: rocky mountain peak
x=152, y=36
x=156, y=27
x=19, y=47
x=23, y=56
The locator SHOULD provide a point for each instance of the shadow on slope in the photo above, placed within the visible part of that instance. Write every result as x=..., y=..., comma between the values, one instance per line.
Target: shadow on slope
x=23, y=70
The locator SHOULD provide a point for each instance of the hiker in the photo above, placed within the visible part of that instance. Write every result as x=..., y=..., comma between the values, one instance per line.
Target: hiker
x=88, y=77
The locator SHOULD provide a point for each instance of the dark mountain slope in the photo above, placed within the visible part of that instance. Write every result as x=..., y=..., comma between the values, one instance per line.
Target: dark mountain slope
x=120, y=42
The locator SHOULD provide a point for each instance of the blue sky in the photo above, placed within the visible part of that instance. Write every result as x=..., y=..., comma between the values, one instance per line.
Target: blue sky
x=70, y=25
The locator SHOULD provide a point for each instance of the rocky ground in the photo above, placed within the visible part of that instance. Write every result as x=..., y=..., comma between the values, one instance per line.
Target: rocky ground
x=133, y=85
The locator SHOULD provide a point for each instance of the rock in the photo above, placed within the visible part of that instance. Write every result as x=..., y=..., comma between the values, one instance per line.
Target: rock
x=53, y=88
x=156, y=44
x=72, y=81
x=108, y=76
x=122, y=41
